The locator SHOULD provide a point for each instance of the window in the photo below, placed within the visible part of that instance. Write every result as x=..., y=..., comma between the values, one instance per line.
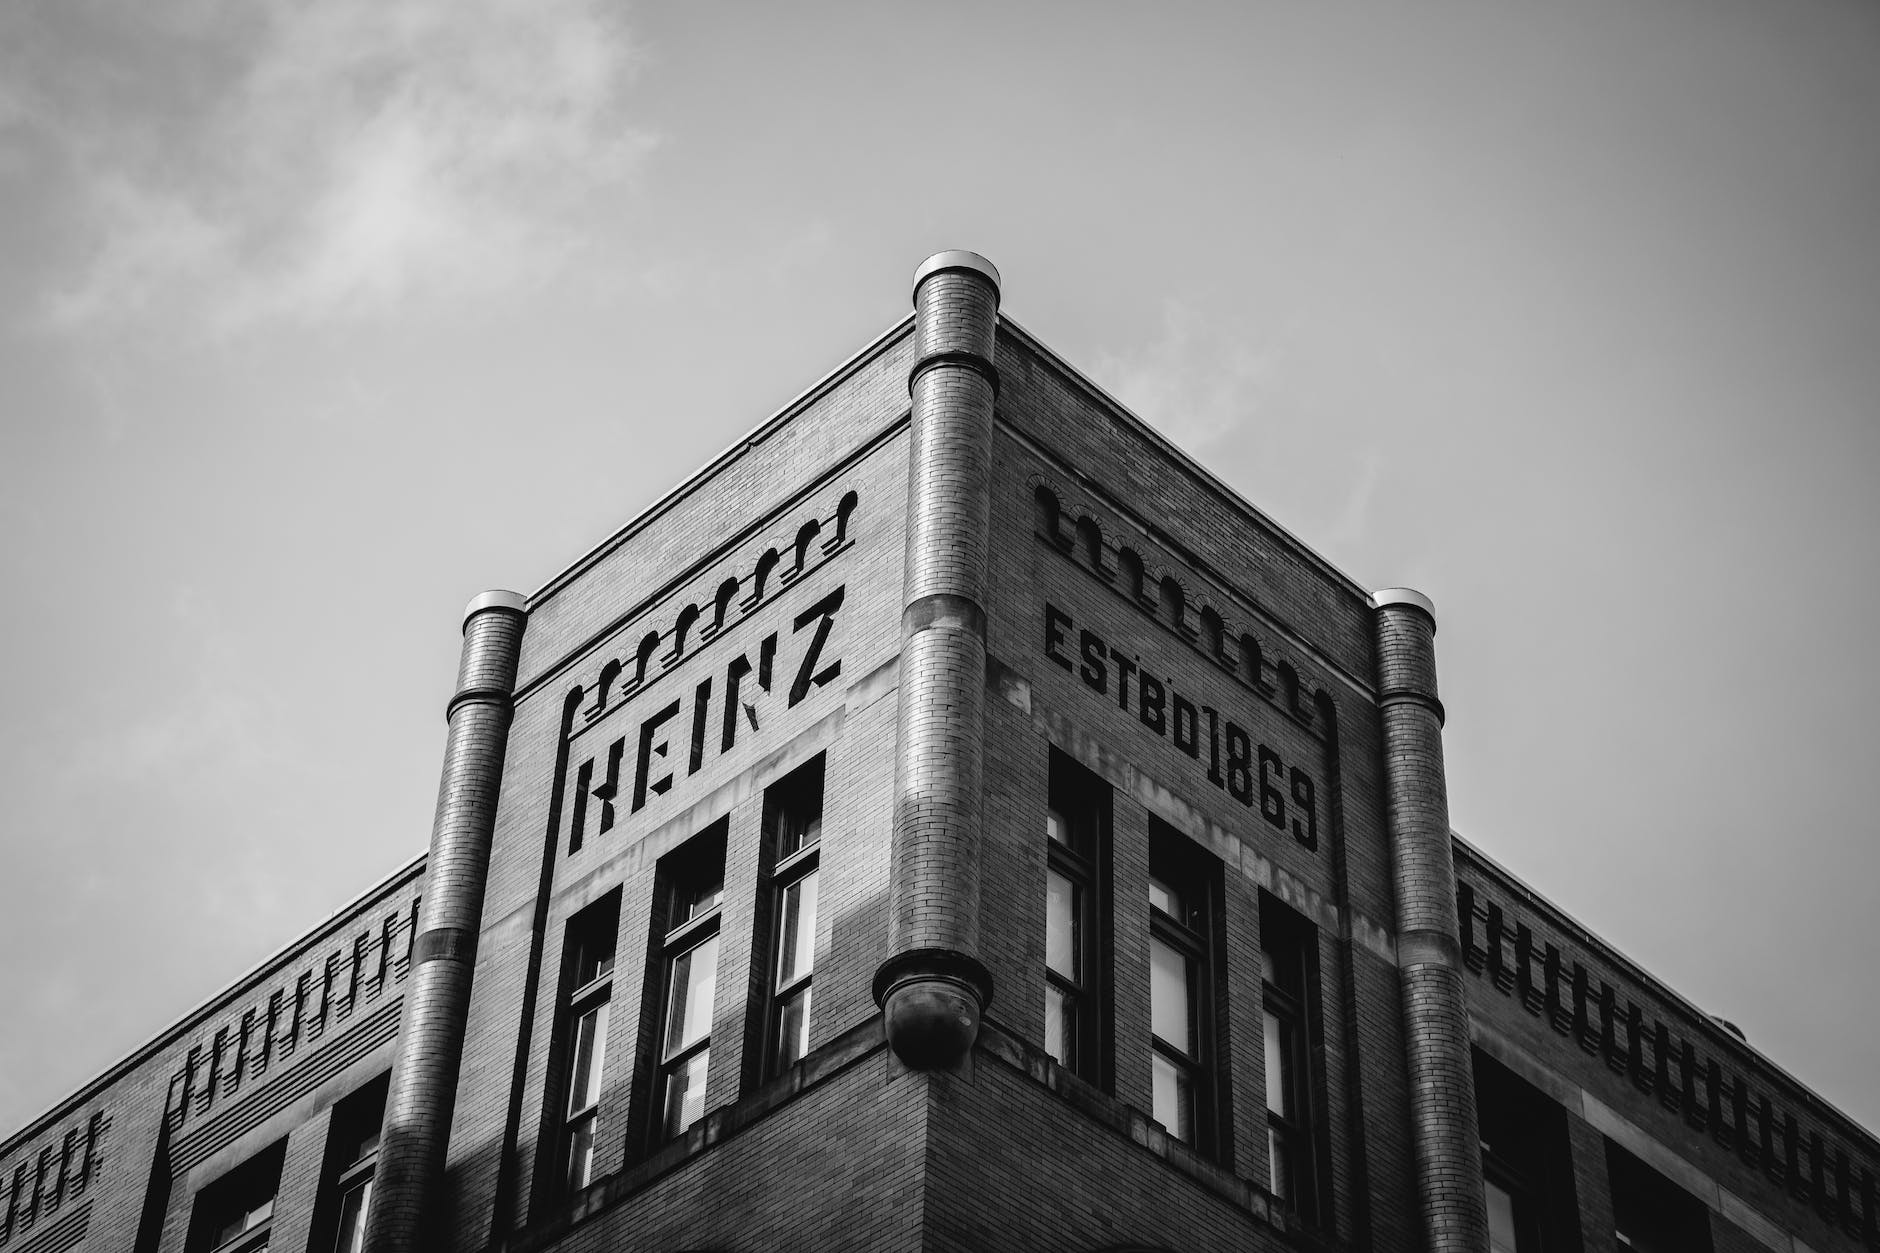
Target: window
x=793, y=811
x=1651, y=1214
x=1184, y=884
x=1527, y=1169
x=691, y=883
x=587, y=993
x=234, y=1214
x=352, y=1155
x=1510, y=1213
x=1076, y=896
x=1289, y=976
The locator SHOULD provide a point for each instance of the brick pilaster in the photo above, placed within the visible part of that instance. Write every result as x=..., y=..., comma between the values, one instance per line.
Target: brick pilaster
x=437, y=997
x=933, y=986
x=1446, y=1142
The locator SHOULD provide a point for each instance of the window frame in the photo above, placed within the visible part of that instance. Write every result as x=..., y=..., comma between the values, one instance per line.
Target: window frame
x=256, y=1232
x=353, y=1141
x=681, y=925
x=1289, y=986
x=799, y=797
x=591, y=939
x=1080, y=802
x=1177, y=862
x=1523, y=1205
x=1660, y=1213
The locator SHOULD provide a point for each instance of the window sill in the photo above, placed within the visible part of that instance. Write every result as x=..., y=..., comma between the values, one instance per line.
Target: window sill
x=998, y=1043
x=859, y=1042
x=246, y=1242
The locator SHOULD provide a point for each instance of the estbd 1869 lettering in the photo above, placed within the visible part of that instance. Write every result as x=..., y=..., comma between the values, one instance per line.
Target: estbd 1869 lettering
x=1250, y=772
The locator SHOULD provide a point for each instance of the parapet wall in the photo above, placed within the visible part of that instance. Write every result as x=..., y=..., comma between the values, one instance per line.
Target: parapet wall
x=1548, y=994
x=82, y=1171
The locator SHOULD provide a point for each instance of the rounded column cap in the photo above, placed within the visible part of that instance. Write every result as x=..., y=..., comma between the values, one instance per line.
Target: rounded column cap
x=957, y=259
x=497, y=598
x=1404, y=596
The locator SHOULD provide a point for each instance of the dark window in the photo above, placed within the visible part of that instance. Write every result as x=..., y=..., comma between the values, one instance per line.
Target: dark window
x=1290, y=986
x=1184, y=889
x=793, y=811
x=684, y=979
x=1076, y=900
x=587, y=994
x=352, y=1157
x=234, y=1214
x=1512, y=1227
x=1527, y=1170
x=1651, y=1214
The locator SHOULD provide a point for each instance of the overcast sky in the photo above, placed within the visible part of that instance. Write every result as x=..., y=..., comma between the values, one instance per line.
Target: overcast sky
x=319, y=316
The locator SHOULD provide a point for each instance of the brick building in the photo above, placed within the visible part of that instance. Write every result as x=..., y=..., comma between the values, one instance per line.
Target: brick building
x=950, y=820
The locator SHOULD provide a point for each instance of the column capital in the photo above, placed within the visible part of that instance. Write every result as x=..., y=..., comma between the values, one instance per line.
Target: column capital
x=495, y=598
x=1407, y=596
x=957, y=259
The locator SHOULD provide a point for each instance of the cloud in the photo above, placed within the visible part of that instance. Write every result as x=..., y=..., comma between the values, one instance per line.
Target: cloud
x=1195, y=383
x=309, y=160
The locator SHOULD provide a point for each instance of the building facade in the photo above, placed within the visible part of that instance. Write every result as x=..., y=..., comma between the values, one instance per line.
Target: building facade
x=950, y=820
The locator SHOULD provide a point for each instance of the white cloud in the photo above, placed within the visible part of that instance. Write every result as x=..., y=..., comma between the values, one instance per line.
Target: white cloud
x=1195, y=383
x=313, y=159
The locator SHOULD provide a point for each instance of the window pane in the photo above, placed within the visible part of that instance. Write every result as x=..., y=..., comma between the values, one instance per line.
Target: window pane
x=1167, y=898
x=796, y=946
x=1174, y=1098
x=1060, y=1026
x=581, y=1152
x=1061, y=941
x=1169, y=1004
x=689, y=1002
x=585, y=1056
x=1279, y=1077
x=793, y=1029
x=1501, y=1228
x=1057, y=827
x=685, y=1093
x=352, y=1219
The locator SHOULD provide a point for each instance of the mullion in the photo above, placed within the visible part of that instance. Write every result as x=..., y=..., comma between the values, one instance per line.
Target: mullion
x=672, y=1060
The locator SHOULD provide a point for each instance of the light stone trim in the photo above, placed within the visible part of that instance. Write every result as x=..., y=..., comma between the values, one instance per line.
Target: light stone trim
x=1633, y=1139
x=1403, y=596
x=495, y=598
x=958, y=259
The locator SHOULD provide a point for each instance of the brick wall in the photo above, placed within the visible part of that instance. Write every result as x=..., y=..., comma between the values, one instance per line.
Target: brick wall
x=1658, y=1075
x=830, y=528
x=155, y=1124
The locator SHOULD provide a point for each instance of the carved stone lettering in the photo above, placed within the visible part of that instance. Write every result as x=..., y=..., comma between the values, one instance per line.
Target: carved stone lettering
x=1253, y=773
